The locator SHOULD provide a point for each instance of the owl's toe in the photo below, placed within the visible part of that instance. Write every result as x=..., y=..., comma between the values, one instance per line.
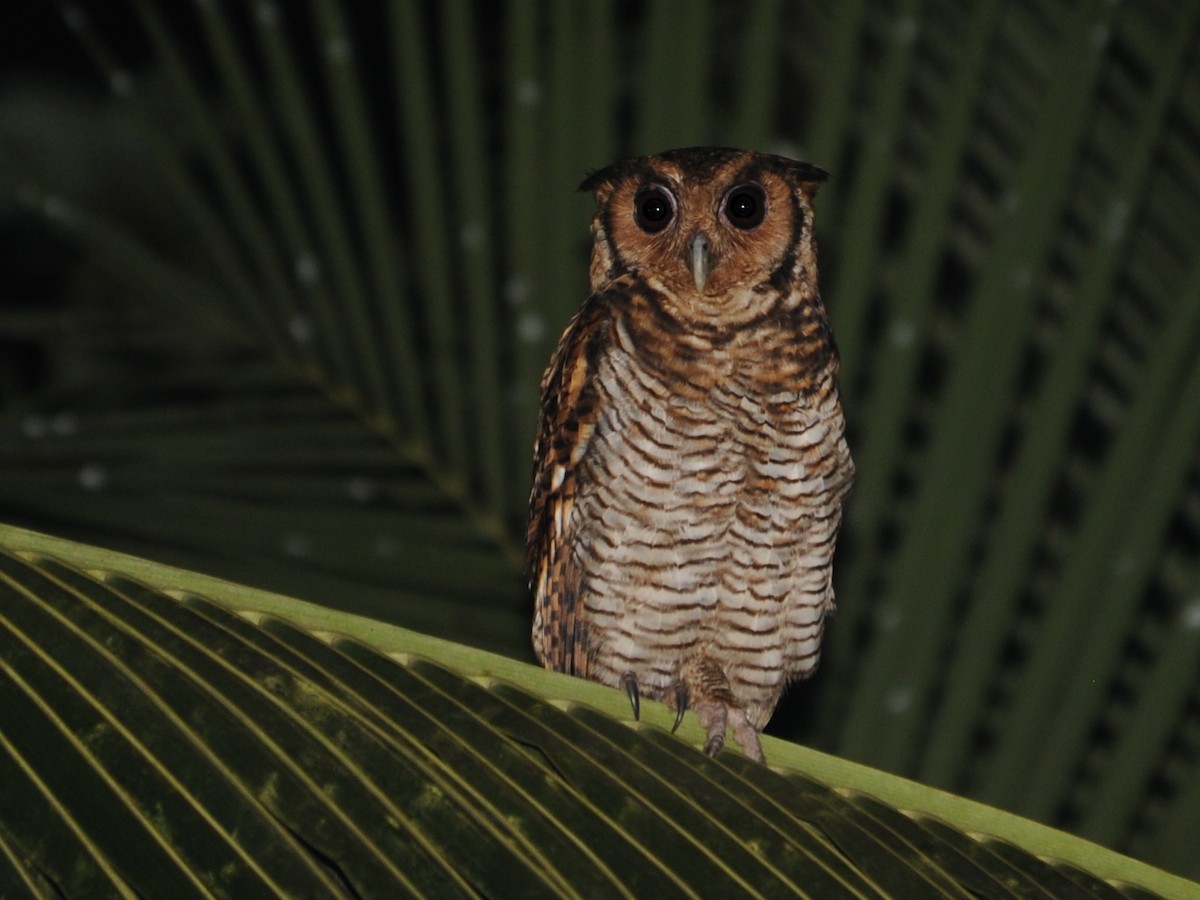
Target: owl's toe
x=746, y=735
x=713, y=718
x=717, y=717
x=715, y=743
x=703, y=687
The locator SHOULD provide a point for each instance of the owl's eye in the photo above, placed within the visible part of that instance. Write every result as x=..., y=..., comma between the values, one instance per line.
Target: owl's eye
x=653, y=209
x=745, y=206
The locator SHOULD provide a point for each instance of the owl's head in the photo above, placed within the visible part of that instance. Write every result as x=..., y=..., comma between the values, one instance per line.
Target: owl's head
x=723, y=234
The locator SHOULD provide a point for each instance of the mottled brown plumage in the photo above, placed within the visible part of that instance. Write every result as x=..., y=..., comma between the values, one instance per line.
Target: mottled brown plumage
x=691, y=462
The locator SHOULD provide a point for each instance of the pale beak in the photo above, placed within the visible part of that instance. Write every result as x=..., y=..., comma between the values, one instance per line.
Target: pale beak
x=698, y=259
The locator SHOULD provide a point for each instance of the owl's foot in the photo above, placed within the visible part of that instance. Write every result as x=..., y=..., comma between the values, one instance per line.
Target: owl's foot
x=629, y=685
x=703, y=686
x=717, y=717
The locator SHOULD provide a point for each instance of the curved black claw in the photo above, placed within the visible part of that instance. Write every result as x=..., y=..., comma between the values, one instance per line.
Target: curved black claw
x=681, y=702
x=630, y=686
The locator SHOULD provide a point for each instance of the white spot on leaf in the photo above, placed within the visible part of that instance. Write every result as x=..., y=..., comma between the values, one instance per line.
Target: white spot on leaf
x=904, y=334
x=93, y=477
x=516, y=291
x=297, y=545
x=64, y=424
x=471, y=236
x=307, y=269
x=531, y=327
x=337, y=49
x=75, y=17
x=898, y=701
x=1116, y=220
x=35, y=427
x=906, y=30
x=121, y=83
x=300, y=328
x=362, y=489
x=529, y=93
x=268, y=15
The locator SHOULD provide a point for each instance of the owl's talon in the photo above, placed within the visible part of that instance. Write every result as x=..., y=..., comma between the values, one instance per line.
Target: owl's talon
x=630, y=686
x=681, y=703
x=714, y=744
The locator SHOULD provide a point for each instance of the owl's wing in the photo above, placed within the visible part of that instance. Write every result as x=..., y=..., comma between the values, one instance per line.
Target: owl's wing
x=568, y=421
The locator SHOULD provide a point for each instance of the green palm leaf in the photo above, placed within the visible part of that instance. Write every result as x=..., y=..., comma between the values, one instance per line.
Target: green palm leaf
x=184, y=736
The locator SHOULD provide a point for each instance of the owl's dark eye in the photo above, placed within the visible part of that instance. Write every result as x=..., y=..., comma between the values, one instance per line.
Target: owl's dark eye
x=653, y=209
x=745, y=206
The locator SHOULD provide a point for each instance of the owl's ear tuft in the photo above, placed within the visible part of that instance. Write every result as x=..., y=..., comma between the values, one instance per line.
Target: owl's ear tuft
x=809, y=172
x=807, y=176
x=803, y=172
x=599, y=178
x=604, y=179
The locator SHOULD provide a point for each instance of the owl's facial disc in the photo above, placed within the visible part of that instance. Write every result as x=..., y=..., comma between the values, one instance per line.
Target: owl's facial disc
x=699, y=258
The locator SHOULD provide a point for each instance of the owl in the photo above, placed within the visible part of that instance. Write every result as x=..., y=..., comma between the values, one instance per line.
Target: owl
x=691, y=460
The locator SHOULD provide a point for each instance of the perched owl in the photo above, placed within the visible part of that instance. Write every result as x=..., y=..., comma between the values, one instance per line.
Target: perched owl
x=691, y=462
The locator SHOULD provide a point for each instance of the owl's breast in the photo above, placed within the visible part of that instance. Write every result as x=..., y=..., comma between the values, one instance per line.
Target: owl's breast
x=696, y=512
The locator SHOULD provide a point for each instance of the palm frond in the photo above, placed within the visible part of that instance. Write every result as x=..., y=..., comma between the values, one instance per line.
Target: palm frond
x=185, y=734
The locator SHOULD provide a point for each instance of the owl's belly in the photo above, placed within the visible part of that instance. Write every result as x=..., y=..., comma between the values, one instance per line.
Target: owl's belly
x=703, y=534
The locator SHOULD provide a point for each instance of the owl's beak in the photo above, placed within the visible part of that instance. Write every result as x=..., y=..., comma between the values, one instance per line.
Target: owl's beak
x=699, y=260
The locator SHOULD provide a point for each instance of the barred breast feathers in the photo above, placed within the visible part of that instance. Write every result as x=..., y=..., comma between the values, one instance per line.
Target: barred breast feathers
x=677, y=437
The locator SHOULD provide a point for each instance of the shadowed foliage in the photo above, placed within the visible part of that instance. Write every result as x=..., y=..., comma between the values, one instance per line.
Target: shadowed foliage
x=208, y=737
x=279, y=280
